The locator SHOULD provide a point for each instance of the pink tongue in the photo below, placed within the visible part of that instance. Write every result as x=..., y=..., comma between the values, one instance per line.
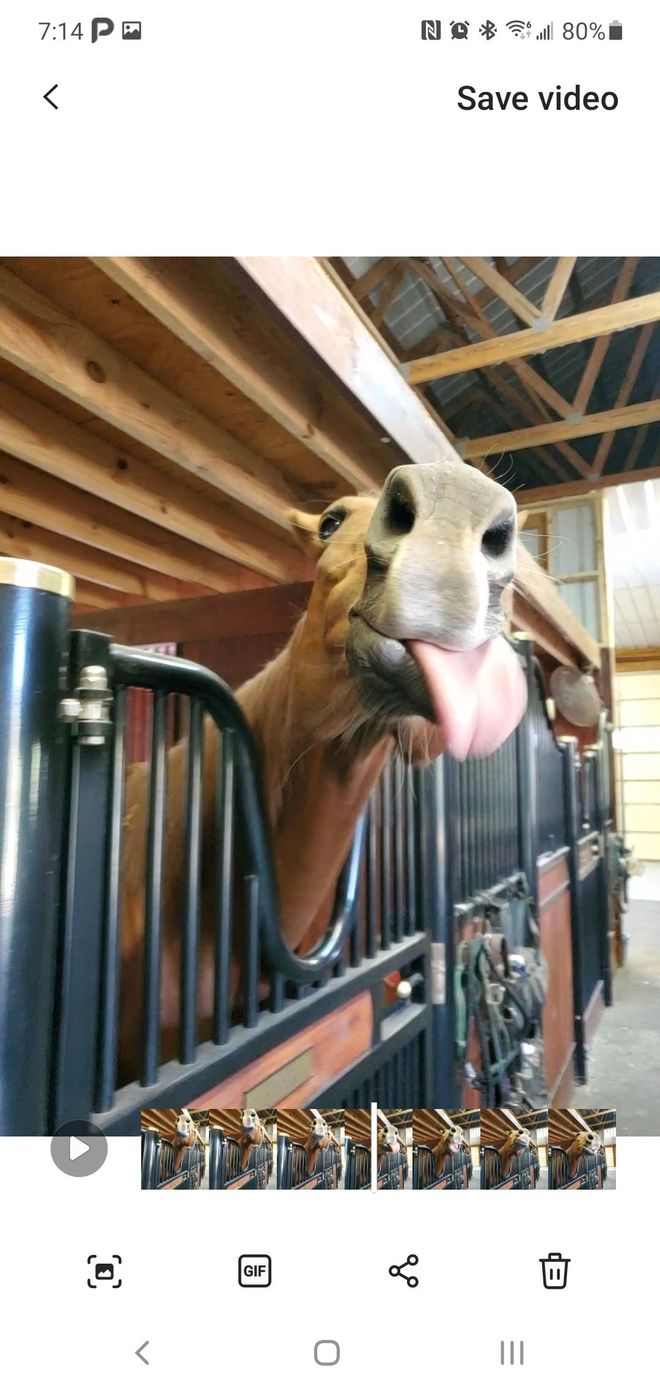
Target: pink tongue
x=478, y=697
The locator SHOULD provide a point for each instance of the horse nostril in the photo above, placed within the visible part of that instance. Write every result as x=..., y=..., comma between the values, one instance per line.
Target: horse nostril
x=400, y=513
x=375, y=564
x=498, y=537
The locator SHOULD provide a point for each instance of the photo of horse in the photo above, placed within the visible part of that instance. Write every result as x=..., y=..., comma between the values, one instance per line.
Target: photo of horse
x=514, y=1149
x=310, y=1148
x=445, y=1149
x=582, y=1148
x=394, y=1146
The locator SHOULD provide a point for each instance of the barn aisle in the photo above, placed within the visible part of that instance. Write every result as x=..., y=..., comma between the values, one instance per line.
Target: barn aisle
x=625, y=1064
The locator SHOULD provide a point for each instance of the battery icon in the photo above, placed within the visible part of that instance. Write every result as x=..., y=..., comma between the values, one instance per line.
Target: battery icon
x=616, y=29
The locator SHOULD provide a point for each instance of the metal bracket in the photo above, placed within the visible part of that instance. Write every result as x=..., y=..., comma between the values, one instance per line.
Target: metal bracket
x=438, y=974
x=88, y=710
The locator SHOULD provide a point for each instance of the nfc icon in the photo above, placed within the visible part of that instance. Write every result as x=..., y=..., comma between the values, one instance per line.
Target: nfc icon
x=254, y=1270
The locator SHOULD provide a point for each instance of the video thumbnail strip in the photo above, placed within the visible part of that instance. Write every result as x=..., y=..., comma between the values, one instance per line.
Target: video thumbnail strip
x=374, y=1149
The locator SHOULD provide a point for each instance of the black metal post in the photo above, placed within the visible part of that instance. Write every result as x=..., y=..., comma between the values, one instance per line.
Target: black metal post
x=435, y=814
x=34, y=628
x=571, y=804
x=602, y=820
x=528, y=791
x=150, y=1153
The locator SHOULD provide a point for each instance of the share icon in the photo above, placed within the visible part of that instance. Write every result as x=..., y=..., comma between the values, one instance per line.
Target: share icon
x=399, y=1271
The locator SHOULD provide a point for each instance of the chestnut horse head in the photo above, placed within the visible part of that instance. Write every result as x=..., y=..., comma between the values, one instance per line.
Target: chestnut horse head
x=407, y=610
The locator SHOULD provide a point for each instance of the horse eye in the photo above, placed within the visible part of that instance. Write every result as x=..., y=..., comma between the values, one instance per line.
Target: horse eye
x=330, y=523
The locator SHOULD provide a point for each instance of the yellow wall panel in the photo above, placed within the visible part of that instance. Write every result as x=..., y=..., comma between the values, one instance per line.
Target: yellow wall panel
x=646, y=845
x=642, y=819
x=638, y=792
x=641, y=767
x=640, y=713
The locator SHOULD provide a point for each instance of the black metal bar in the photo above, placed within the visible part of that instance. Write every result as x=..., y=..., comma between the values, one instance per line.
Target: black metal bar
x=251, y=960
x=372, y=876
x=111, y=970
x=527, y=782
x=602, y=818
x=225, y=859
x=154, y=893
x=191, y=919
x=411, y=858
x=386, y=857
x=569, y=750
x=399, y=813
x=150, y=1159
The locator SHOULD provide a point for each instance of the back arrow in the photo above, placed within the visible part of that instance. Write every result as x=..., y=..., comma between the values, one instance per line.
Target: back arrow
x=46, y=96
x=140, y=1354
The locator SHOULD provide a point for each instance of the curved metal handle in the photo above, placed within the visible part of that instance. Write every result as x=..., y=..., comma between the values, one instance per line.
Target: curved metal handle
x=160, y=672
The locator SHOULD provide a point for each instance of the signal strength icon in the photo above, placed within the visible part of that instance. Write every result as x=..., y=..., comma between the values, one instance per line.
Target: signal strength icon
x=545, y=33
x=520, y=28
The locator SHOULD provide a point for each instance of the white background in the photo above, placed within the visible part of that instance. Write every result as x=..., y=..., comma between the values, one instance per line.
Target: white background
x=479, y=1270
x=329, y=128
x=309, y=128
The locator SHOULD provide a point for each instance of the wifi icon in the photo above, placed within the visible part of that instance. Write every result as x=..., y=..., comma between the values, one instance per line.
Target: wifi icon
x=520, y=28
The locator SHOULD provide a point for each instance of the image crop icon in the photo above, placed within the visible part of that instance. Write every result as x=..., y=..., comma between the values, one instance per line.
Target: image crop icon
x=431, y=29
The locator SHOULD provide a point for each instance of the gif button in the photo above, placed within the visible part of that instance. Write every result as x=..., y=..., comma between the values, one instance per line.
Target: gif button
x=254, y=1270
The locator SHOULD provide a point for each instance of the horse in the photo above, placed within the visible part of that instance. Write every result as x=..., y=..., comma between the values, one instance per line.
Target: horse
x=584, y=1144
x=320, y=1139
x=402, y=644
x=253, y=1133
x=186, y=1135
x=451, y=1141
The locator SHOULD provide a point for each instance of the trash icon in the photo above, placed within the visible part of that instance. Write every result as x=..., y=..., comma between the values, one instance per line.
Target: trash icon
x=555, y=1271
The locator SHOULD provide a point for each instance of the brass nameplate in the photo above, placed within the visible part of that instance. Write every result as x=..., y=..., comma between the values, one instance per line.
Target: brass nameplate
x=269, y=1092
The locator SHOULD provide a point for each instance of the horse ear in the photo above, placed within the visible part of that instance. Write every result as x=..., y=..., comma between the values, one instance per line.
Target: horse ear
x=306, y=528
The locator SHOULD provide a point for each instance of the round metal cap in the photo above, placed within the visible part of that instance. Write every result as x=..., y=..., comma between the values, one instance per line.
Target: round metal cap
x=79, y=1148
x=35, y=575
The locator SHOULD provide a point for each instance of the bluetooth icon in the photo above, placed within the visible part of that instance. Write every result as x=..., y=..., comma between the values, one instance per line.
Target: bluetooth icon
x=488, y=30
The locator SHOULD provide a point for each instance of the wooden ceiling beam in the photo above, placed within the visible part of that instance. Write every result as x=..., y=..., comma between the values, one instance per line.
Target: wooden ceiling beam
x=507, y=348
x=59, y=507
x=580, y=487
x=599, y=350
x=305, y=293
x=181, y=303
x=620, y=418
x=502, y=288
x=38, y=337
x=51, y=442
x=98, y=597
x=376, y=274
x=624, y=393
x=557, y=285
x=18, y=537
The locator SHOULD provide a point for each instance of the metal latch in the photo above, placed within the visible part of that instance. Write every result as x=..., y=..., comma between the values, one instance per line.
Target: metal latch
x=88, y=710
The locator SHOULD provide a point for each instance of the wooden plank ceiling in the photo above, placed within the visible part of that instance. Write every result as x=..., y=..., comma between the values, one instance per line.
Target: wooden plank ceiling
x=158, y=419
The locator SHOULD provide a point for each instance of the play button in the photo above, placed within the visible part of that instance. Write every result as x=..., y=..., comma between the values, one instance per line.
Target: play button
x=78, y=1148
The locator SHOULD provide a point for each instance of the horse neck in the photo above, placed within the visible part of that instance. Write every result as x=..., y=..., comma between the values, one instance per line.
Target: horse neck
x=316, y=779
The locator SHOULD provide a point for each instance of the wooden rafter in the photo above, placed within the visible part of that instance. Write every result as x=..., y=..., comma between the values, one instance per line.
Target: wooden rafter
x=557, y=286
x=511, y=347
x=620, y=418
x=502, y=288
x=387, y=294
x=535, y=385
x=171, y=294
x=40, y=436
x=37, y=337
x=370, y=281
x=599, y=350
x=27, y=493
x=33, y=543
x=624, y=393
x=579, y=488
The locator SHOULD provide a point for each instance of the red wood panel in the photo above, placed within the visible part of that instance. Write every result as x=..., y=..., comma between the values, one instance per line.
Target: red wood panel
x=555, y=926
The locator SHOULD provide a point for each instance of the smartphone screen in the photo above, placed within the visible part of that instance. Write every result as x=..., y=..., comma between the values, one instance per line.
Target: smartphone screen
x=330, y=690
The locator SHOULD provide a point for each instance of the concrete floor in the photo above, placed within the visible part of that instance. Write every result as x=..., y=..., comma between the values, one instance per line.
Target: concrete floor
x=624, y=1068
